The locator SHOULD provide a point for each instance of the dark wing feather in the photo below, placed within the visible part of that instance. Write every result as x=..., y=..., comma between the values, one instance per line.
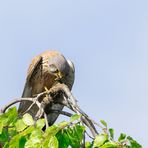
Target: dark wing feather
x=36, y=62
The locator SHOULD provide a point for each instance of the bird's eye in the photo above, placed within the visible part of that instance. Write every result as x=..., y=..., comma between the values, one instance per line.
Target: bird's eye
x=53, y=68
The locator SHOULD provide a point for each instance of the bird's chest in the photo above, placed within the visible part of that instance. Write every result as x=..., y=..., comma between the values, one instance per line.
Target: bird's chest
x=40, y=81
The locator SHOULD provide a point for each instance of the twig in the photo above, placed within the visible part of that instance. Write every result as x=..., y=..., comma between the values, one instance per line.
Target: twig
x=34, y=102
x=89, y=135
x=46, y=120
x=14, y=102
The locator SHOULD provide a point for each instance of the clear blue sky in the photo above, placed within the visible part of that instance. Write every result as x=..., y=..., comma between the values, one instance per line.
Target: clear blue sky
x=107, y=41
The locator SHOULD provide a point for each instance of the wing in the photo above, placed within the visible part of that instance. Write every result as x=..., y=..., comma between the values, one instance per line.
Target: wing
x=35, y=64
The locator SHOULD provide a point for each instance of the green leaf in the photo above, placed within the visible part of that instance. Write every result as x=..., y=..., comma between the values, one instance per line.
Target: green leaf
x=27, y=119
x=40, y=123
x=27, y=131
x=33, y=143
x=12, y=131
x=100, y=140
x=4, y=135
x=20, y=139
x=52, y=130
x=74, y=142
x=35, y=139
x=1, y=127
x=111, y=131
x=20, y=125
x=12, y=115
x=88, y=145
x=122, y=137
x=22, y=142
x=75, y=134
x=53, y=142
x=9, y=118
x=37, y=133
x=74, y=117
x=14, y=142
x=12, y=112
x=104, y=123
x=4, y=120
x=6, y=145
x=63, y=124
x=110, y=145
x=63, y=139
x=133, y=143
x=79, y=130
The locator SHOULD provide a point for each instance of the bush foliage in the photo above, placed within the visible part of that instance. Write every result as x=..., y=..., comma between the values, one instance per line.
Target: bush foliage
x=20, y=132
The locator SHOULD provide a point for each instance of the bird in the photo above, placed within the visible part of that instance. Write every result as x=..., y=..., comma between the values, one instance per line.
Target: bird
x=45, y=70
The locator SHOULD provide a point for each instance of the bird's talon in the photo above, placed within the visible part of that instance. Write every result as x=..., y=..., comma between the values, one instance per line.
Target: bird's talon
x=46, y=89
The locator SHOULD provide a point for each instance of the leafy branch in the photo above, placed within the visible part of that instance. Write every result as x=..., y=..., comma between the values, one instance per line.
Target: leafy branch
x=69, y=101
x=26, y=131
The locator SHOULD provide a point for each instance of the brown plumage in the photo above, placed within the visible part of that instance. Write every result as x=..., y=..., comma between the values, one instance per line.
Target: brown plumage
x=44, y=71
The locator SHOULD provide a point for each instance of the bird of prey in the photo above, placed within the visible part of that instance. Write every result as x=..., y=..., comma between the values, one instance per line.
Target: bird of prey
x=44, y=71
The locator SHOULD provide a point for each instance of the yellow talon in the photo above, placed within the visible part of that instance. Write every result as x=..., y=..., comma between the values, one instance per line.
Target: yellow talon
x=46, y=89
x=59, y=75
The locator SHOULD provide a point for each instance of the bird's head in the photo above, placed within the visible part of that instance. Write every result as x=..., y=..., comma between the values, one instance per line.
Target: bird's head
x=61, y=68
x=54, y=70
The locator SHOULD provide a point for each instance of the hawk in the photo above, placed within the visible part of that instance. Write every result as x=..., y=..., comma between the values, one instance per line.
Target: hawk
x=44, y=71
